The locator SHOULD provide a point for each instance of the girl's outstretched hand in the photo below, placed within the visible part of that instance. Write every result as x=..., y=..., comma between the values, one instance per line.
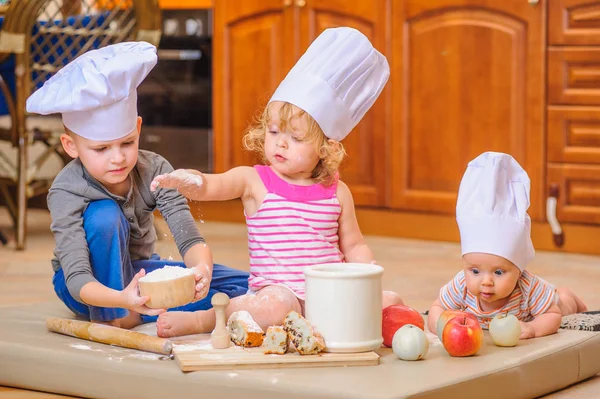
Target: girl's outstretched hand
x=188, y=182
x=132, y=299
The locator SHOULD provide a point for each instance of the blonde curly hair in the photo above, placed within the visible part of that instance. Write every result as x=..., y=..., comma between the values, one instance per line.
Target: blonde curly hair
x=331, y=152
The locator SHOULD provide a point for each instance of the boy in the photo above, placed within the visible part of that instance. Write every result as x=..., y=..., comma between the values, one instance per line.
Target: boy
x=495, y=238
x=101, y=204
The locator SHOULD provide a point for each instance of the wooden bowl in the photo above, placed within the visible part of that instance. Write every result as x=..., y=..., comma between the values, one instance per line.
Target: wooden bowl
x=168, y=293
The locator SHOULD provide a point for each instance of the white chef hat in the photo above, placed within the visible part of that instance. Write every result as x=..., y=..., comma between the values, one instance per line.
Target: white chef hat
x=492, y=209
x=96, y=93
x=336, y=81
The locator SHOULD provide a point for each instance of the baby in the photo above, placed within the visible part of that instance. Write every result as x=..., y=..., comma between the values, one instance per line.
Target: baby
x=494, y=226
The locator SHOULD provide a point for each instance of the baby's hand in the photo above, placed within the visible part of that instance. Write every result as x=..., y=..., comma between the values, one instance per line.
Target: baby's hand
x=132, y=299
x=203, y=278
x=188, y=182
x=527, y=331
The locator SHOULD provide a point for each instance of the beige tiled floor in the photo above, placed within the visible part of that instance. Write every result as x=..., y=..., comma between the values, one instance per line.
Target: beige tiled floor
x=416, y=269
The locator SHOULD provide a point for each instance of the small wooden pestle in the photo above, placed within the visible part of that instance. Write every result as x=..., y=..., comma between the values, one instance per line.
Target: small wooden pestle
x=220, y=338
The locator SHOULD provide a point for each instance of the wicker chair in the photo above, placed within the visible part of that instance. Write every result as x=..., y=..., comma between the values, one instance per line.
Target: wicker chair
x=40, y=37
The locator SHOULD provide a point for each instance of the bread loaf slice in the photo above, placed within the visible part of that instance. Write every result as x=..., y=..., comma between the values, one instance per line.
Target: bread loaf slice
x=303, y=335
x=244, y=330
x=276, y=341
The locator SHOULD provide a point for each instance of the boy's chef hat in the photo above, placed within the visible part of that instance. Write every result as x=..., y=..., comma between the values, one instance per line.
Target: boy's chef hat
x=96, y=93
x=336, y=81
x=492, y=209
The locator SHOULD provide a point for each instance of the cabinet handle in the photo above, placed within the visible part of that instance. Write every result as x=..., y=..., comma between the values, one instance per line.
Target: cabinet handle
x=533, y=2
x=557, y=233
x=300, y=3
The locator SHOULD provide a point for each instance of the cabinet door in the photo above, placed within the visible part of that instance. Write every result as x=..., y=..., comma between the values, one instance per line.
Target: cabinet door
x=574, y=75
x=467, y=78
x=574, y=134
x=578, y=189
x=573, y=22
x=252, y=50
x=365, y=165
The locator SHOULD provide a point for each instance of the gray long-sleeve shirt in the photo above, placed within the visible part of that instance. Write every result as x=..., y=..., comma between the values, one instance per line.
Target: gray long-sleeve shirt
x=72, y=191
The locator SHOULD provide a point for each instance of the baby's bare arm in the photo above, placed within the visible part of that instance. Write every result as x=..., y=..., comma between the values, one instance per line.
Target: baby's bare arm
x=544, y=324
x=434, y=313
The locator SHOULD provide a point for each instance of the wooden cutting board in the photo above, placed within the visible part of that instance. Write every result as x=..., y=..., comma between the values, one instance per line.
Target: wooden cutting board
x=201, y=356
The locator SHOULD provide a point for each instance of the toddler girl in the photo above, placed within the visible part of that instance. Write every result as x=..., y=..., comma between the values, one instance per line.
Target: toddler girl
x=297, y=211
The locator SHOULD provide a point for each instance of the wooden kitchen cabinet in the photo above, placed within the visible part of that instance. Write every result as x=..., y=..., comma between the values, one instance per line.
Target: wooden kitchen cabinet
x=253, y=48
x=574, y=75
x=573, y=134
x=573, y=113
x=574, y=22
x=255, y=45
x=578, y=192
x=467, y=78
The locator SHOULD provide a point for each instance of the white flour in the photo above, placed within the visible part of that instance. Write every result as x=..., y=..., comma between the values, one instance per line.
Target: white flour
x=242, y=315
x=85, y=347
x=202, y=345
x=118, y=354
x=166, y=273
x=181, y=176
x=188, y=178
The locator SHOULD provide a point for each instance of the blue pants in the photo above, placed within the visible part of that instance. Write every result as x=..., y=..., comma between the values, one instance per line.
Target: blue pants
x=107, y=235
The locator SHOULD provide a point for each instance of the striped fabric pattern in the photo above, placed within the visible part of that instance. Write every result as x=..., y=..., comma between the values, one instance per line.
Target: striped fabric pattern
x=295, y=227
x=532, y=297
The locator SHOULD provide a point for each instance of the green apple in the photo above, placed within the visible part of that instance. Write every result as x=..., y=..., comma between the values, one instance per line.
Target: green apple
x=410, y=343
x=505, y=330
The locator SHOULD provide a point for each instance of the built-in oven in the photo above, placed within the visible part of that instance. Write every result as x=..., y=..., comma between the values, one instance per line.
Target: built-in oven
x=175, y=100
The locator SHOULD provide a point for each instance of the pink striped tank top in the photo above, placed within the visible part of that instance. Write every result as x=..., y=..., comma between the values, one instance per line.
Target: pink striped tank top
x=295, y=226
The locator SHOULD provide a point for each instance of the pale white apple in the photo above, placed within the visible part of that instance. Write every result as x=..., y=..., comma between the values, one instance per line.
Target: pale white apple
x=505, y=330
x=410, y=343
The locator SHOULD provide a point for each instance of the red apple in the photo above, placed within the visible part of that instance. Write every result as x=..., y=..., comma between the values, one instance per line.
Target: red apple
x=396, y=316
x=447, y=315
x=462, y=336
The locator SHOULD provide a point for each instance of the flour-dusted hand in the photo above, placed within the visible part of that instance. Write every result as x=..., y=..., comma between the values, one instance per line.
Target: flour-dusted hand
x=188, y=182
x=203, y=279
x=132, y=299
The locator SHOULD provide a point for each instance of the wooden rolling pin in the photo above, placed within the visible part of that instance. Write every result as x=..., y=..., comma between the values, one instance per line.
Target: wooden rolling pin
x=109, y=335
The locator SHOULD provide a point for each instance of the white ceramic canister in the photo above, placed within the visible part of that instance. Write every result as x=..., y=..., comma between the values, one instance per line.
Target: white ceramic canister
x=343, y=301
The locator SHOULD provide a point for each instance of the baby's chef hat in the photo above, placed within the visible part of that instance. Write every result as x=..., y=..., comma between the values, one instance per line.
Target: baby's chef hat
x=336, y=81
x=96, y=93
x=492, y=209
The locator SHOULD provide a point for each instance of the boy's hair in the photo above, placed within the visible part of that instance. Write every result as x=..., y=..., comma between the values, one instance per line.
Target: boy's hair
x=69, y=132
x=331, y=152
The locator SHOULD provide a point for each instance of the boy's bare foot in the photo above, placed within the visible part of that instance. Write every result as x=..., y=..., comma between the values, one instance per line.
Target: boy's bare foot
x=175, y=324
